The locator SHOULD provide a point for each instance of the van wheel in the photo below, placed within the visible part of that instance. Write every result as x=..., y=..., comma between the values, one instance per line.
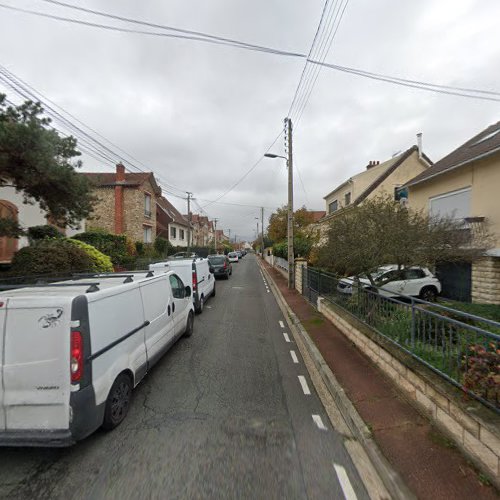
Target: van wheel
x=189, y=325
x=428, y=293
x=118, y=402
x=213, y=292
x=199, y=309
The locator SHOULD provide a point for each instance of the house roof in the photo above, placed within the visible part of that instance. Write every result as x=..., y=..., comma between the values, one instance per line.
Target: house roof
x=482, y=145
x=384, y=169
x=171, y=211
x=317, y=214
x=132, y=179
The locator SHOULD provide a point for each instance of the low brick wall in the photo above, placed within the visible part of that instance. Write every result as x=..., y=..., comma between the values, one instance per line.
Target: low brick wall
x=486, y=280
x=474, y=428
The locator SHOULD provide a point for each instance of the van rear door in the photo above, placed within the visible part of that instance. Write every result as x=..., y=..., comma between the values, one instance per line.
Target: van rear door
x=35, y=371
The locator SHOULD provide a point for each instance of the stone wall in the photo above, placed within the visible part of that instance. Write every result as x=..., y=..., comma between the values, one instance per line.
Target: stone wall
x=299, y=267
x=486, y=280
x=474, y=428
x=103, y=215
x=134, y=217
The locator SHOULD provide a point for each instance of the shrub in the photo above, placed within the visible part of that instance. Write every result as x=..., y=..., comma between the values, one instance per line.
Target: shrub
x=50, y=256
x=139, y=247
x=100, y=262
x=162, y=246
x=482, y=375
x=36, y=233
x=113, y=245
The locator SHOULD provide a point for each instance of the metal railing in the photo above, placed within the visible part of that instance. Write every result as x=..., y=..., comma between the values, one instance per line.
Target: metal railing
x=462, y=348
x=280, y=262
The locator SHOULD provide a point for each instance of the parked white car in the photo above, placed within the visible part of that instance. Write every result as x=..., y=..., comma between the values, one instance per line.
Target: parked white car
x=72, y=352
x=414, y=281
x=197, y=272
x=233, y=257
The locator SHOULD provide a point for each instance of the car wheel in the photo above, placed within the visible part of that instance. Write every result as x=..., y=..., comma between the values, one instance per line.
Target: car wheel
x=199, y=309
x=213, y=292
x=189, y=325
x=428, y=293
x=118, y=402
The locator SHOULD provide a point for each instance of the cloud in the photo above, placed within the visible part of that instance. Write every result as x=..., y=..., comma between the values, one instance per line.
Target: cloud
x=201, y=115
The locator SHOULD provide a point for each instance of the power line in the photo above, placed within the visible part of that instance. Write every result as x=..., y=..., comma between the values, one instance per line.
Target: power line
x=425, y=86
x=205, y=38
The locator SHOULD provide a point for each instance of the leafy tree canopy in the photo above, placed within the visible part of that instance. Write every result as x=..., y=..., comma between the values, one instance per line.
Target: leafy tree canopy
x=381, y=231
x=278, y=225
x=37, y=161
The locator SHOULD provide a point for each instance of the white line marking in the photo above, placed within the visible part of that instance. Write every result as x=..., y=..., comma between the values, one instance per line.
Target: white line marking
x=269, y=291
x=282, y=324
x=287, y=338
x=304, y=385
x=345, y=484
x=319, y=422
x=294, y=357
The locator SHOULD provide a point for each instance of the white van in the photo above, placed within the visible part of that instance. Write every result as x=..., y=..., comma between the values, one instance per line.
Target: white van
x=71, y=352
x=196, y=271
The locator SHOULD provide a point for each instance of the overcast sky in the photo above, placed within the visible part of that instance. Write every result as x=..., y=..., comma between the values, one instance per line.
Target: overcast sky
x=201, y=115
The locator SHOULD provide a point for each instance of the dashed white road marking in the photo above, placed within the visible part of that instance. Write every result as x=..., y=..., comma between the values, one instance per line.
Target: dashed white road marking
x=294, y=357
x=345, y=484
x=287, y=338
x=319, y=422
x=282, y=324
x=303, y=383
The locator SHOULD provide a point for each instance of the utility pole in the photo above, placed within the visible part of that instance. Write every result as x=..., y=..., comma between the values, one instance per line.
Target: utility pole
x=291, y=258
x=215, y=234
x=189, y=196
x=262, y=229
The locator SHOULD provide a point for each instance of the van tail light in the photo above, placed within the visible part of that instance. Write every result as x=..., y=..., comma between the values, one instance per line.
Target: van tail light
x=225, y=265
x=195, y=280
x=76, y=362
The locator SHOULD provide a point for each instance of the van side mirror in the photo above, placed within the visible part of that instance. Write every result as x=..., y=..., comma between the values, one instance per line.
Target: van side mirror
x=188, y=291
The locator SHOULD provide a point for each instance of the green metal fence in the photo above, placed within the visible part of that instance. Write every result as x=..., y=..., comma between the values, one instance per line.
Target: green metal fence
x=462, y=348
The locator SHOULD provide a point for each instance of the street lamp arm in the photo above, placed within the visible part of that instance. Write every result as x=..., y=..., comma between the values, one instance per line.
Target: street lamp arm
x=271, y=155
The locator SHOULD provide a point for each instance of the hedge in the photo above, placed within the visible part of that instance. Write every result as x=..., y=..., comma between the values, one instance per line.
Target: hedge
x=100, y=262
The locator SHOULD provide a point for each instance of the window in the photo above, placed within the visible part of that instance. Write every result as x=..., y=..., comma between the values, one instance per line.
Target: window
x=333, y=206
x=178, y=290
x=414, y=274
x=455, y=204
x=347, y=199
x=147, y=205
x=173, y=233
x=181, y=234
x=148, y=234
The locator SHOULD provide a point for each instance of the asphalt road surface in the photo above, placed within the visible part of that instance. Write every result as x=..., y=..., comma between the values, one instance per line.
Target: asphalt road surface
x=228, y=413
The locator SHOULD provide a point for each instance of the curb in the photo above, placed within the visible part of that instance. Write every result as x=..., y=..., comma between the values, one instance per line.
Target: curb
x=390, y=478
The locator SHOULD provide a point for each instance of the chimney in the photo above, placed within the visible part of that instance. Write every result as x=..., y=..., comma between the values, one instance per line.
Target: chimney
x=120, y=177
x=419, y=144
x=372, y=164
x=120, y=172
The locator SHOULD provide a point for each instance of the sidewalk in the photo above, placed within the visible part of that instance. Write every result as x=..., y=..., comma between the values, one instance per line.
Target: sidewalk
x=425, y=459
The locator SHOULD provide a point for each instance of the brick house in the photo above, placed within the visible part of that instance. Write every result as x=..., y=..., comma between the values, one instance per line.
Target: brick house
x=126, y=203
x=203, y=230
x=464, y=185
x=170, y=223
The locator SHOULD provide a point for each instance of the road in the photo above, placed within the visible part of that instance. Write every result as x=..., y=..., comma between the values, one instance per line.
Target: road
x=228, y=413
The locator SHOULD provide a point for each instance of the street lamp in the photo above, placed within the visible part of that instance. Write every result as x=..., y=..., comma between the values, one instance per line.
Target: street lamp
x=289, y=161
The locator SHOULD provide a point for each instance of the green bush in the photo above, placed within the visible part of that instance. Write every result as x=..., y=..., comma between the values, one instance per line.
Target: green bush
x=139, y=247
x=50, y=256
x=113, y=245
x=36, y=233
x=100, y=262
x=162, y=246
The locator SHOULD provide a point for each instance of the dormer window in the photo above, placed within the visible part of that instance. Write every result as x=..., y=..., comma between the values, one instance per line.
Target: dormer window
x=334, y=205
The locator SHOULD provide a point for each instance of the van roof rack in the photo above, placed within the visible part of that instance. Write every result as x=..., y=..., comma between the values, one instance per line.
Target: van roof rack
x=41, y=284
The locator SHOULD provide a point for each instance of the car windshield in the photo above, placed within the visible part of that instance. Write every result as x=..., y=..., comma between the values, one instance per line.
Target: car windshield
x=216, y=260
